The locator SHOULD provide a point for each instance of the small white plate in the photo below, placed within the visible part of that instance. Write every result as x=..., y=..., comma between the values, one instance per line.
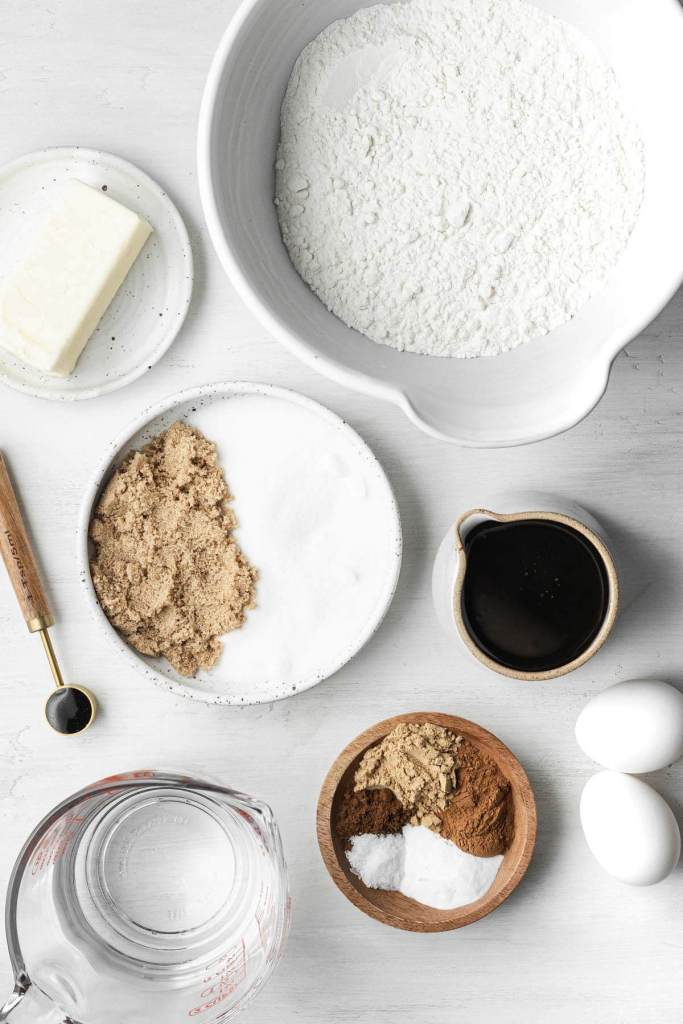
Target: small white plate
x=149, y=308
x=287, y=643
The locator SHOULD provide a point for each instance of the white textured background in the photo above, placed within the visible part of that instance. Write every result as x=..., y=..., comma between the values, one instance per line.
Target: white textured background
x=570, y=945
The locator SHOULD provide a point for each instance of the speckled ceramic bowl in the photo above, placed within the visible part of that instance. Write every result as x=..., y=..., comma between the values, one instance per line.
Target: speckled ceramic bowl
x=221, y=685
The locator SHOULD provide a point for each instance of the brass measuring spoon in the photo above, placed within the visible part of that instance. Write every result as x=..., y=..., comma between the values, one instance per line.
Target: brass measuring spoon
x=68, y=709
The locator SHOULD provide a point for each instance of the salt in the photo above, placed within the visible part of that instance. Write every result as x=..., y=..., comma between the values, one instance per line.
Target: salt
x=378, y=860
x=421, y=864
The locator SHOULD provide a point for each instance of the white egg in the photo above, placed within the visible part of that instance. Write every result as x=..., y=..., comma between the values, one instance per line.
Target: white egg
x=630, y=829
x=633, y=727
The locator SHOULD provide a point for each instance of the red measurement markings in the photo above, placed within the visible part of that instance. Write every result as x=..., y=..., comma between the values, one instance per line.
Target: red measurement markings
x=54, y=844
x=128, y=777
x=222, y=984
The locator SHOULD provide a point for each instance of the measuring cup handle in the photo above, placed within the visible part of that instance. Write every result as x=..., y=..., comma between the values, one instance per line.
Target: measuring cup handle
x=19, y=559
x=28, y=1005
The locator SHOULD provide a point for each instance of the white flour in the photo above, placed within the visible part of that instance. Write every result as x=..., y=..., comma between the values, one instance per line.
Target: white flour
x=455, y=177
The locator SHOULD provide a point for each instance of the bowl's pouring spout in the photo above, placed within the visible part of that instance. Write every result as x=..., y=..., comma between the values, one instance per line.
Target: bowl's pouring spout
x=465, y=523
x=462, y=528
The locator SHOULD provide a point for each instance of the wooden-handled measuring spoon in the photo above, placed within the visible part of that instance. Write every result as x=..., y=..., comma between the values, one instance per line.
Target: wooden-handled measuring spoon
x=68, y=709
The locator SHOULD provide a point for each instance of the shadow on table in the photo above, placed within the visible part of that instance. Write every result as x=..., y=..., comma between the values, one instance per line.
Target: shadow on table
x=645, y=580
x=549, y=838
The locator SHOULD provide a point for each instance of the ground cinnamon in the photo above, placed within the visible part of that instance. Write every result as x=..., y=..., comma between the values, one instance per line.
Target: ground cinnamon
x=370, y=812
x=479, y=816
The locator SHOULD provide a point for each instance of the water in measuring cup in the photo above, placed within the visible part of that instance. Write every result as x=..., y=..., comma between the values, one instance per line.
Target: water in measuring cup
x=173, y=892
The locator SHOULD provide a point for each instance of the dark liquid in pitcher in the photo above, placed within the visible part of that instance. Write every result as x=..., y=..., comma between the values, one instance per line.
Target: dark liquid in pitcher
x=535, y=593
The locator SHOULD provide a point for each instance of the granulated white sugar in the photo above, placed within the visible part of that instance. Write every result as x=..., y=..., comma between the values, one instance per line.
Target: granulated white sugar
x=318, y=520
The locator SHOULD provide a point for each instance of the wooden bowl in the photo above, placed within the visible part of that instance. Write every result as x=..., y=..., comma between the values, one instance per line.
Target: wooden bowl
x=393, y=908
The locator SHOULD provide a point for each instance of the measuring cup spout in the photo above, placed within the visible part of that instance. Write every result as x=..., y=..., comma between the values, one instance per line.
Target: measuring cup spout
x=28, y=1005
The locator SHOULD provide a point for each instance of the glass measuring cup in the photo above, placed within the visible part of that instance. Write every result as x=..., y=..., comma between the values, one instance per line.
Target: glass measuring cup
x=146, y=897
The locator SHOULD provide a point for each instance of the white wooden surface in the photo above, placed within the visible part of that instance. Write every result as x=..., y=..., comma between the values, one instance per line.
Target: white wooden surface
x=571, y=945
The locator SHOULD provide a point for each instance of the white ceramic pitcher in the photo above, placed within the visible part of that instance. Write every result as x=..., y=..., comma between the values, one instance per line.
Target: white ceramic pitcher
x=450, y=568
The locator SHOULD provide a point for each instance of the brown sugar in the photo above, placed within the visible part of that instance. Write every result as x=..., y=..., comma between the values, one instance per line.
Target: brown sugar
x=479, y=816
x=167, y=570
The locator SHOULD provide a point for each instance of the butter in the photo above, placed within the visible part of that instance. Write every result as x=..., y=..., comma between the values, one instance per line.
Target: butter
x=52, y=302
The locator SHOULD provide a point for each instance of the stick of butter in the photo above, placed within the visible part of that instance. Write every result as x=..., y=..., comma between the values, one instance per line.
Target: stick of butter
x=53, y=301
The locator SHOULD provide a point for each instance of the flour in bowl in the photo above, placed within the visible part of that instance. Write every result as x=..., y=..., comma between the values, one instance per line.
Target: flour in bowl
x=455, y=177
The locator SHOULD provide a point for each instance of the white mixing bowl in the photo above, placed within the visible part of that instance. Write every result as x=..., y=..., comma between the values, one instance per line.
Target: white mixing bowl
x=532, y=392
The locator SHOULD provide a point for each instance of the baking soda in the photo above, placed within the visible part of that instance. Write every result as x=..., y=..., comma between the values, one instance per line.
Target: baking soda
x=438, y=873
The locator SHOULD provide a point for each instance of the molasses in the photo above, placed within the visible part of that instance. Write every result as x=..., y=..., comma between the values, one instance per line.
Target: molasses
x=535, y=593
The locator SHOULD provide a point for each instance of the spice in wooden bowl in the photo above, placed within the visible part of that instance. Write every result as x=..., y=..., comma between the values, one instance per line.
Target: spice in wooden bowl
x=516, y=827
